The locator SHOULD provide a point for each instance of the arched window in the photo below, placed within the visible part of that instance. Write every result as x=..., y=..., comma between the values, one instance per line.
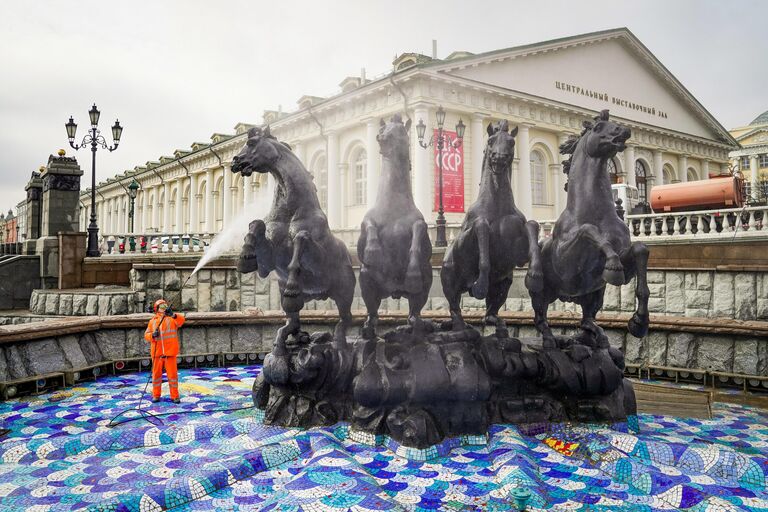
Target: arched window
x=692, y=175
x=538, y=178
x=320, y=172
x=359, y=177
x=613, y=172
x=668, y=174
x=640, y=179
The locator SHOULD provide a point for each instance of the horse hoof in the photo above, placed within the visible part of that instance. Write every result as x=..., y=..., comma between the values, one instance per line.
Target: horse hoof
x=638, y=325
x=479, y=290
x=247, y=264
x=534, y=281
x=613, y=274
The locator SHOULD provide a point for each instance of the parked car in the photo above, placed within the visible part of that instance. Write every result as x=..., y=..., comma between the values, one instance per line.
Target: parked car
x=189, y=243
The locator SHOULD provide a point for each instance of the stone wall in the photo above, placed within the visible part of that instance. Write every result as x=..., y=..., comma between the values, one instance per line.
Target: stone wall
x=59, y=345
x=99, y=301
x=19, y=276
x=692, y=293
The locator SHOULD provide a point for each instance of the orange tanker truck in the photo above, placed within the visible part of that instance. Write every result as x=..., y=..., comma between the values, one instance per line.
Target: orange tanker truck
x=718, y=192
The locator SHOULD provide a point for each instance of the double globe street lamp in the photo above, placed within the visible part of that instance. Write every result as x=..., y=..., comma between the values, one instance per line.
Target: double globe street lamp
x=95, y=139
x=440, y=140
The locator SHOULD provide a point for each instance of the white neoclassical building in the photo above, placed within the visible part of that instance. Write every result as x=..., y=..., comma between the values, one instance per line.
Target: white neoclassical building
x=547, y=89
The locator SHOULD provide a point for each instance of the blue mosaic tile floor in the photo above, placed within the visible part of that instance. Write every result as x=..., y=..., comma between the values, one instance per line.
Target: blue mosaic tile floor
x=60, y=455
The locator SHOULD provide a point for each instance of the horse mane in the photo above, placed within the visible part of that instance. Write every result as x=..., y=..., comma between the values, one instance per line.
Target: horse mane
x=569, y=146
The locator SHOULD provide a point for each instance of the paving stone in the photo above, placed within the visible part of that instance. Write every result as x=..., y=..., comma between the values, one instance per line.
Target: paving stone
x=193, y=340
x=612, y=298
x=681, y=350
x=204, y=296
x=262, y=302
x=745, y=300
x=762, y=309
x=698, y=299
x=722, y=297
x=119, y=305
x=51, y=303
x=218, y=298
x=233, y=279
x=745, y=356
x=616, y=338
x=91, y=349
x=135, y=344
x=33, y=300
x=246, y=338
x=105, y=305
x=15, y=363
x=233, y=299
x=715, y=353
x=655, y=276
x=218, y=277
x=43, y=356
x=65, y=304
x=189, y=299
x=219, y=339
x=3, y=366
x=704, y=280
x=635, y=350
x=204, y=276
x=79, y=302
x=656, y=343
x=110, y=342
x=92, y=305
x=154, y=279
x=675, y=292
x=172, y=280
x=73, y=354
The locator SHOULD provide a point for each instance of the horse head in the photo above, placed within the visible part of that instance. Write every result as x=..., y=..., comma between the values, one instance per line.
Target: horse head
x=259, y=154
x=393, y=136
x=604, y=138
x=500, y=150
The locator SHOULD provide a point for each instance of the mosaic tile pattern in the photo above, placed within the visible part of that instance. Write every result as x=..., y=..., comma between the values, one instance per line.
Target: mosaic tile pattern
x=60, y=455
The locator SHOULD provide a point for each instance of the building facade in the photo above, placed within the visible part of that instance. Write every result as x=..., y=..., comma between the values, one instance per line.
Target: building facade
x=752, y=158
x=546, y=89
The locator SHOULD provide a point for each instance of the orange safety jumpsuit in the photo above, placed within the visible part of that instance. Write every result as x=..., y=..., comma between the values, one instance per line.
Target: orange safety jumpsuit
x=164, y=351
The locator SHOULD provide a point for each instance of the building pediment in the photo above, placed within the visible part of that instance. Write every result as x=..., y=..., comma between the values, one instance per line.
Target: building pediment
x=604, y=70
x=758, y=136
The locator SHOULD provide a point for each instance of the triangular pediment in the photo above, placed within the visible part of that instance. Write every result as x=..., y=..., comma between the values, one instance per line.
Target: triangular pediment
x=754, y=137
x=606, y=70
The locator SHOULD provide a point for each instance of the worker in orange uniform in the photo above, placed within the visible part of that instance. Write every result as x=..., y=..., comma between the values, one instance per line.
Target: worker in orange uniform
x=162, y=334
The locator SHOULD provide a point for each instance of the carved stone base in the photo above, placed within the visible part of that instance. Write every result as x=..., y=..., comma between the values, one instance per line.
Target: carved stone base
x=420, y=388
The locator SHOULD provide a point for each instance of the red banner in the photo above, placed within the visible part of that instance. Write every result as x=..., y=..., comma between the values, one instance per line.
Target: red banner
x=453, y=175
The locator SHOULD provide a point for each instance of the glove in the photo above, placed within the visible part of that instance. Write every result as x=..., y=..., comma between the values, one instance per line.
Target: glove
x=169, y=312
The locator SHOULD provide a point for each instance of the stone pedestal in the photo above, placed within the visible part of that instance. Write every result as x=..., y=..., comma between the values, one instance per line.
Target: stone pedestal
x=34, y=191
x=59, y=212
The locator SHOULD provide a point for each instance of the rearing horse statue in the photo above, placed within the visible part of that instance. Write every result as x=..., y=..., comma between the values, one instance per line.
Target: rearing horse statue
x=494, y=239
x=590, y=245
x=394, y=247
x=294, y=239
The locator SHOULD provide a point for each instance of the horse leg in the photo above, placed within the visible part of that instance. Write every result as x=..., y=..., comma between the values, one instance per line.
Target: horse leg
x=449, y=277
x=613, y=272
x=292, y=299
x=497, y=295
x=635, y=258
x=369, y=291
x=534, y=278
x=482, y=230
x=257, y=252
x=292, y=326
x=372, y=255
x=540, y=306
x=413, y=275
x=591, y=334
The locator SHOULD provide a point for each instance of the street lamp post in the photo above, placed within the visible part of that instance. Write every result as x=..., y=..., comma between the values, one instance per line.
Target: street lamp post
x=440, y=141
x=132, y=191
x=95, y=139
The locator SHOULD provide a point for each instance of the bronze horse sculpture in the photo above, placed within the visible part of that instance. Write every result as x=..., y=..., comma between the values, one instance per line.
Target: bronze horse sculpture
x=590, y=245
x=394, y=247
x=494, y=239
x=294, y=239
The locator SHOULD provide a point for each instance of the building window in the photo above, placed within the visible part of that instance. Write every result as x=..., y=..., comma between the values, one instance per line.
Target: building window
x=613, y=172
x=359, y=176
x=744, y=163
x=320, y=173
x=763, y=161
x=538, y=178
x=691, y=174
x=640, y=180
x=668, y=175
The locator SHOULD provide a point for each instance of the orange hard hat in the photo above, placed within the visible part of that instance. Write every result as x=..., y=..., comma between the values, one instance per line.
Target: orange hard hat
x=158, y=302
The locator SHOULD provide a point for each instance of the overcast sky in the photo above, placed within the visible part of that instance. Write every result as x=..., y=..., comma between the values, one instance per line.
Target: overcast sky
x=174, y=72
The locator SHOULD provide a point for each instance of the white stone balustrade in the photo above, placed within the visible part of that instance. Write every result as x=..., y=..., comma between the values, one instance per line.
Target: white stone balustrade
x=131, y=244
x=703, y=225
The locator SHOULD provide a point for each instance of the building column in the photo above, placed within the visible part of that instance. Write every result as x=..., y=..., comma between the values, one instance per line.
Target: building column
x=334, y=182
x=423, y=166
x=343, y=193
x=179, y=205
x=193, y=204
x=657, y=173
x=753, y=176
x=210, y=215
x=372, y=161
x=247, y=189
x=477, y=140
x=227, y=191
x=524, y=196
x=629, y=166
x=166, y=207
x=705, y=169
x=682, y=163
